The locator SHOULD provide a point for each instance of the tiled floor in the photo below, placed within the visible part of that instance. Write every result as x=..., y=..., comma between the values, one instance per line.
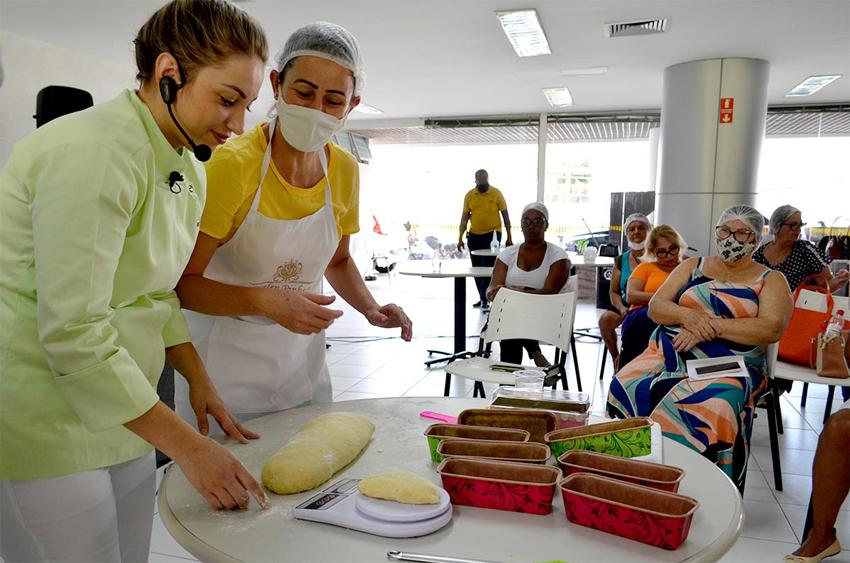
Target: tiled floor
x=369, y=362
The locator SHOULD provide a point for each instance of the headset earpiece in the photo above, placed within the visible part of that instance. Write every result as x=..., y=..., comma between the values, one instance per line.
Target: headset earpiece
x=168, y=89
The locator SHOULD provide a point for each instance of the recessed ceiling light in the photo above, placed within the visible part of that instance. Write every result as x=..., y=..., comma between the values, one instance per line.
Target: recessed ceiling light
x=366, y=108
x=585, y=71
x=558, y=97
x=524, y=32
x=811, y=85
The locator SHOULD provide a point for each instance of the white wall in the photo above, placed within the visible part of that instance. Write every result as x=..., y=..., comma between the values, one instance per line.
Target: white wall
x=31, y=65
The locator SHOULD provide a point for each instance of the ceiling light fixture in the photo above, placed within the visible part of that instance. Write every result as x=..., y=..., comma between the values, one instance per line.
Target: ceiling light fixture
x=811, y=85
x=558, y=97
x=589, y=71
x=524, y=32
x=366, y=108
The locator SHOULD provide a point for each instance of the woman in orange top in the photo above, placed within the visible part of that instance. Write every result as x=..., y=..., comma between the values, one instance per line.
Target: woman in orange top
x=663, y=253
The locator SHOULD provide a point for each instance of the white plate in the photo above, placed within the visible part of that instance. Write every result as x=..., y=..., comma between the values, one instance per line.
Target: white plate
x=392, y=511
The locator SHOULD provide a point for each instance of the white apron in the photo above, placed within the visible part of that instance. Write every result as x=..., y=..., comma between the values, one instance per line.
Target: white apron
x=257, y=365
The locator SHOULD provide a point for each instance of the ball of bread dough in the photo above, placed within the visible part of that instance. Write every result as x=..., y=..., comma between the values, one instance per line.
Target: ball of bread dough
x=400, y=486
x=321, y=447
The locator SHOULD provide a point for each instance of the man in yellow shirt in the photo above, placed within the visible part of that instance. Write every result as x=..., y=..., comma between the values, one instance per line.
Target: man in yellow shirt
x=482, y=206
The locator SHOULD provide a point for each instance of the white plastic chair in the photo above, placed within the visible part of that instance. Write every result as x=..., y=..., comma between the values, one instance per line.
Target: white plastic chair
x=514, y=314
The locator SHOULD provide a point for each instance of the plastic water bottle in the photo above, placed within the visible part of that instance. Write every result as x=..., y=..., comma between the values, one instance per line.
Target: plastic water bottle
x=436, y=265
x=494, y=244
x=833, y=329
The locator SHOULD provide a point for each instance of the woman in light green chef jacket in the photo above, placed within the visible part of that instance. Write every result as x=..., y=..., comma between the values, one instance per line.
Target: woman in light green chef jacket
x=99, y=213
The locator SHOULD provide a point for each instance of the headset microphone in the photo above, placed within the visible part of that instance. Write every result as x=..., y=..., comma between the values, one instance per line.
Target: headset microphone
x=168, y=90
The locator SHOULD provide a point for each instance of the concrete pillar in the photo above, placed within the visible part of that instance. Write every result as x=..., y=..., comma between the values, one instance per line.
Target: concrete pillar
x=712, y=125
x=654, y=147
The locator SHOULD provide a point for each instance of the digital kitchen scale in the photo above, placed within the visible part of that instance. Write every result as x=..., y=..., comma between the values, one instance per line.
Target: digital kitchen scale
x=342, y=504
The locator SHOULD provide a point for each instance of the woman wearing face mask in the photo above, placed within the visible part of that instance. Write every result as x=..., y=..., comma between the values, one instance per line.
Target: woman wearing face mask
x=795, y=258
x=664, y=251
x=725, y=305
x=100, y=212
x=282, y=203
x=636, y=226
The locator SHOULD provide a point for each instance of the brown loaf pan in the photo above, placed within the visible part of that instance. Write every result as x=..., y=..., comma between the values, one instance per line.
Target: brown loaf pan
x=537, y=423
x=436, y=433
x=657, y=476
x=529, y=452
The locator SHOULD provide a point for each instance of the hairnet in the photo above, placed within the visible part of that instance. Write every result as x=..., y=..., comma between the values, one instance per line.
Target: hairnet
x=328, y=41
x=748, y=215
x=779, y=216
x=537, y=206
x=636, y=217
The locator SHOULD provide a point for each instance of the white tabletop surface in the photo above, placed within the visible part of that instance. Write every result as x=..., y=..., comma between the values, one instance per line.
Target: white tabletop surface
x=448, y=269
x=578, y=261
x=474, y=533
x=485, y=252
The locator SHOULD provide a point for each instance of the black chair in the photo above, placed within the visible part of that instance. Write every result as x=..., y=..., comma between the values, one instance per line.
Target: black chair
x=56, y=101
x=609, y=250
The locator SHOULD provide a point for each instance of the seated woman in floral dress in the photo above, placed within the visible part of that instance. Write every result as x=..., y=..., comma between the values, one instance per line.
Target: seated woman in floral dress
x=724, y=305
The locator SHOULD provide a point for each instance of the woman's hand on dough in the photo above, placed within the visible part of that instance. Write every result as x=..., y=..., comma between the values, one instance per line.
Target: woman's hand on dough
x=220, y=478
x=301, y=312
x=391, y=316
x=205, y=400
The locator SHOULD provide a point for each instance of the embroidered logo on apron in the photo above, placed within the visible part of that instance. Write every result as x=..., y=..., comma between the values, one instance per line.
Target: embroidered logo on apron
x=287, y=277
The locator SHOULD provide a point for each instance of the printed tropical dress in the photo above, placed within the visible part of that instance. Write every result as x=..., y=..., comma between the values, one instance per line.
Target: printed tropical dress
x=714, y=416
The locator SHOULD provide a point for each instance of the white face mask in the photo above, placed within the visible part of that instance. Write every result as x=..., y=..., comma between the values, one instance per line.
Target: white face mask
x=637, y=245
x=306, y=129
x=731, y=250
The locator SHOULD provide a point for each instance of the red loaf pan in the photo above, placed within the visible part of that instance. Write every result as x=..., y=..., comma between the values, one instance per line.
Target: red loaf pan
x=517, y=487
x=655, y=475
x=538, y=423
x=638, y=513
x=527, y=452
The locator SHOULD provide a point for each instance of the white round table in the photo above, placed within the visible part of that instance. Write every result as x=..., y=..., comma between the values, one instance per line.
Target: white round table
x=459, y=270
x=474, y=533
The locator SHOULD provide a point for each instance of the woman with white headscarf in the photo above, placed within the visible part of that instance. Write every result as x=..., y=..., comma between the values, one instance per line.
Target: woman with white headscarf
x=535, y=266
x=636, y=228
x=282, y=202
x=725, y=305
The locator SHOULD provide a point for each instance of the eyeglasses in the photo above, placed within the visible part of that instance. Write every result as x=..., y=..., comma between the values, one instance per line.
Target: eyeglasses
x=665, y=252
x=742, y=236
x=793, y=226
x=538, y=222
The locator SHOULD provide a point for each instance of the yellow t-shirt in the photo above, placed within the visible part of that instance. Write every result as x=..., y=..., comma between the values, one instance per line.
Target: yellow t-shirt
x=484, y=210
x=233, y=174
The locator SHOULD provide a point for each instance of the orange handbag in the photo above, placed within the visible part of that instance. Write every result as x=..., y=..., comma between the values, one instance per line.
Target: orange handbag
x=795, y=346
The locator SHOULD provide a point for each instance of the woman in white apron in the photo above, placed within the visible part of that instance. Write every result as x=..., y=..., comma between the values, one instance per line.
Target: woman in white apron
x=281, y=204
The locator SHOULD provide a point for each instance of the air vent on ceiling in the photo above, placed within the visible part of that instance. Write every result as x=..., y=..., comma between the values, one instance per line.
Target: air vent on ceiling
x=642, y=27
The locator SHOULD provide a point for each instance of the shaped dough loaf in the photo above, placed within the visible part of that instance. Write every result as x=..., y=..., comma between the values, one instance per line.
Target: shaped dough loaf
x=321, y=447
x=401, y=486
